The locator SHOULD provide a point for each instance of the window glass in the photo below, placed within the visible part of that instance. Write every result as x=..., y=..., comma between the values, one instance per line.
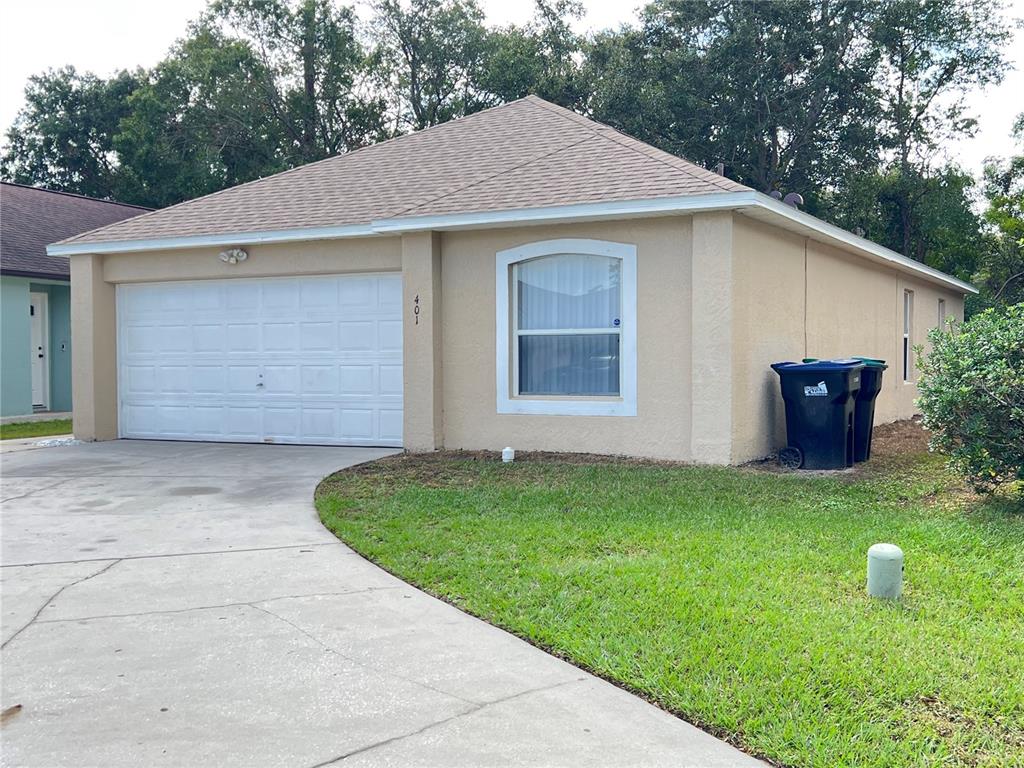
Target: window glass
x=567, y=325
x=586, y=364
x=908, y=342
x=569, y=291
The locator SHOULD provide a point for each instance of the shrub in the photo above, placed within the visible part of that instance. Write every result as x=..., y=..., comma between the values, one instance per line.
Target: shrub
x=972, y=395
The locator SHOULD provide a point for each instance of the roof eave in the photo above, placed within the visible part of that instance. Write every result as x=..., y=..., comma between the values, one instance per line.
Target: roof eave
x=65, y=277
x=749, y=202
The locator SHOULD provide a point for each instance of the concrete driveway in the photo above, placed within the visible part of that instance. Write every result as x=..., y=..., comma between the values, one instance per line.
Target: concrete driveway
x=179, y=604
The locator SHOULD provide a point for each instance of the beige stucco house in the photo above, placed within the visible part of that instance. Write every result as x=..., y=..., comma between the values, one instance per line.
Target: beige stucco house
x=522, y=276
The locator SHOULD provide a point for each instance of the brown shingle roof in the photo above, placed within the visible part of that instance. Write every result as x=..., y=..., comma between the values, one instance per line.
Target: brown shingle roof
x=31, y=218
x=524, y=154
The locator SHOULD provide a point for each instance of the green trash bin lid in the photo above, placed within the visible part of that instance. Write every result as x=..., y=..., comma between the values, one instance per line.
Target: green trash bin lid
x=872, y=362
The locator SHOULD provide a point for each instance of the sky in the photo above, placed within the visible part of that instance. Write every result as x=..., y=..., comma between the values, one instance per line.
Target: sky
x=103, y=36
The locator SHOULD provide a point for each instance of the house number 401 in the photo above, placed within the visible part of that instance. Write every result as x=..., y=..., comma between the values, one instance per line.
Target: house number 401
x=416, y=309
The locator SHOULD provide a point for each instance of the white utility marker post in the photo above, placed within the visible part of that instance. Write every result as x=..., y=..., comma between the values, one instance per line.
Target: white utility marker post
x=885, y=571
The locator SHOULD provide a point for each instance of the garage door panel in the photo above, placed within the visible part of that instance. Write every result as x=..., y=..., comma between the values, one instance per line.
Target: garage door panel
x=280, y=337
x=243, y=337
x=140, y=379
x=174, y=379
x=294, y=360
x=319, y=423
x=359, y=293
x=390, y=380
x=321, y=336
x=281, y=423
x=281, y=379
x=208, y=379
x=208, y=338
x=390, y=293
x=391, y=424
x=319, y=379
x=356, y=379
x=357, y=336
x=208, y=420
x=390, y=335
x=241, y=295
x=243, y=421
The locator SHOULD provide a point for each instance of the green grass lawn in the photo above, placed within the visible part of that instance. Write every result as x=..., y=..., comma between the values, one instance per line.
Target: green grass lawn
x=732, y=597
x=24, y=429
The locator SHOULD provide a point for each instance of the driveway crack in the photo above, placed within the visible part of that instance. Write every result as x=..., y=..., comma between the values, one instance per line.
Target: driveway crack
x=471, y=711
x=36, y=490
x=214, y=606
x=57, y=594
x=359, y=662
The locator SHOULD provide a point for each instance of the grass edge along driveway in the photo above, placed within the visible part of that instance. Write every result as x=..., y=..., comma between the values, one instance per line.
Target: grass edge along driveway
x=731, y=597
x=25, y=429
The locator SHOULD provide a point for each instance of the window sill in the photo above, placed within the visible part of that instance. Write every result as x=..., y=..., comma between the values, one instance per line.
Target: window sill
x=559, y=406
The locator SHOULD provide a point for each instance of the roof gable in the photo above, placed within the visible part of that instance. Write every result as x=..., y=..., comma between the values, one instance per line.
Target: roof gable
x=525, y=153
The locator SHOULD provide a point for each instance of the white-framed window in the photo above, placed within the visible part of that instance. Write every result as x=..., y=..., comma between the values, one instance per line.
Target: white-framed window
x=566, y=328
x=942, y=314
x=908, y=335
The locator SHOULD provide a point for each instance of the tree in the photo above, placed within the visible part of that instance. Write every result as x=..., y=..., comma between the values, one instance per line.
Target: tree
x=193, y=127
x=780, y=92
x=432, y=51
x=942, y=229
x=255, y=87
x=63, y=136
x=314, y=77
x=932, y=53
x=1001, y=273
x=541, y=58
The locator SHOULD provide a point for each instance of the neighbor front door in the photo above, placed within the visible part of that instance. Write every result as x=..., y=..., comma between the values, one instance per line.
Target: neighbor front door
x=39, y=352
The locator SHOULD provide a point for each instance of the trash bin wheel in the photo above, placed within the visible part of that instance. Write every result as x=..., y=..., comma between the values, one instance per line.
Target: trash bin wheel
x=791, y=458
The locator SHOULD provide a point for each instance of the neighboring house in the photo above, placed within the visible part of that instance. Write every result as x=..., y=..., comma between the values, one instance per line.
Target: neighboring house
x=522, y=276
x=35, y=350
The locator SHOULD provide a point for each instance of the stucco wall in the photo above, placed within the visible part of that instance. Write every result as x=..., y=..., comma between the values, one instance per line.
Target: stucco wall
x=322, y=257
x=768, y=326
x=661, y=427
x=843, y=305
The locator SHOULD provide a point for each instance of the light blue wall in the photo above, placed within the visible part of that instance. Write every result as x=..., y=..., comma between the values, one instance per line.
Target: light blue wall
x=60, y=345
x=16, y=340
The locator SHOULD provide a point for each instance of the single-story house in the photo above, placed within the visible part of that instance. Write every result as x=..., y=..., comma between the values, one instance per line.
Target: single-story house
x=35, y=348
x=520, y=277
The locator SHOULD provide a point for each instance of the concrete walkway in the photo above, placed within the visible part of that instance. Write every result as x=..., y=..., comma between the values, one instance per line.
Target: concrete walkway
x=176, y=604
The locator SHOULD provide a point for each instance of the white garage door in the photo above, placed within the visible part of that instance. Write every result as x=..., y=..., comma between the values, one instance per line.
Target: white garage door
x=314, y=360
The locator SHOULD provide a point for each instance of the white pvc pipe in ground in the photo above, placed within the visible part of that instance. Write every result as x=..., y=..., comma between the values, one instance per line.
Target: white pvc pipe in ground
x=885, y=571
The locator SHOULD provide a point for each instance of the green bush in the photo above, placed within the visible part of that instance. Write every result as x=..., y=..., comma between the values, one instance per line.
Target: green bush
x=972, y=395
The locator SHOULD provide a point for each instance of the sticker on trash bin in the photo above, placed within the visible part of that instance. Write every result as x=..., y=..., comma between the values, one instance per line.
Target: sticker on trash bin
x=818, y=390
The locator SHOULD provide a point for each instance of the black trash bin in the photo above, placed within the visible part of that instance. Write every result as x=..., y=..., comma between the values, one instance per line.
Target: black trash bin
x=820, y=404
x=864, y=410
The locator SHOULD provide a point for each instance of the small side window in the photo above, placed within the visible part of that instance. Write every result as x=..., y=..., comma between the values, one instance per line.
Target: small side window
x=942, y=314
x=908, y=335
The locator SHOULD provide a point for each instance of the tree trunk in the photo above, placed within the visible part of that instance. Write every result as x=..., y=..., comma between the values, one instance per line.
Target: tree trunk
x=309, y=149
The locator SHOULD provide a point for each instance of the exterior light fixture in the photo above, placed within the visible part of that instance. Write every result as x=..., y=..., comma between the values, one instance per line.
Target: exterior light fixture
x=233, y=256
